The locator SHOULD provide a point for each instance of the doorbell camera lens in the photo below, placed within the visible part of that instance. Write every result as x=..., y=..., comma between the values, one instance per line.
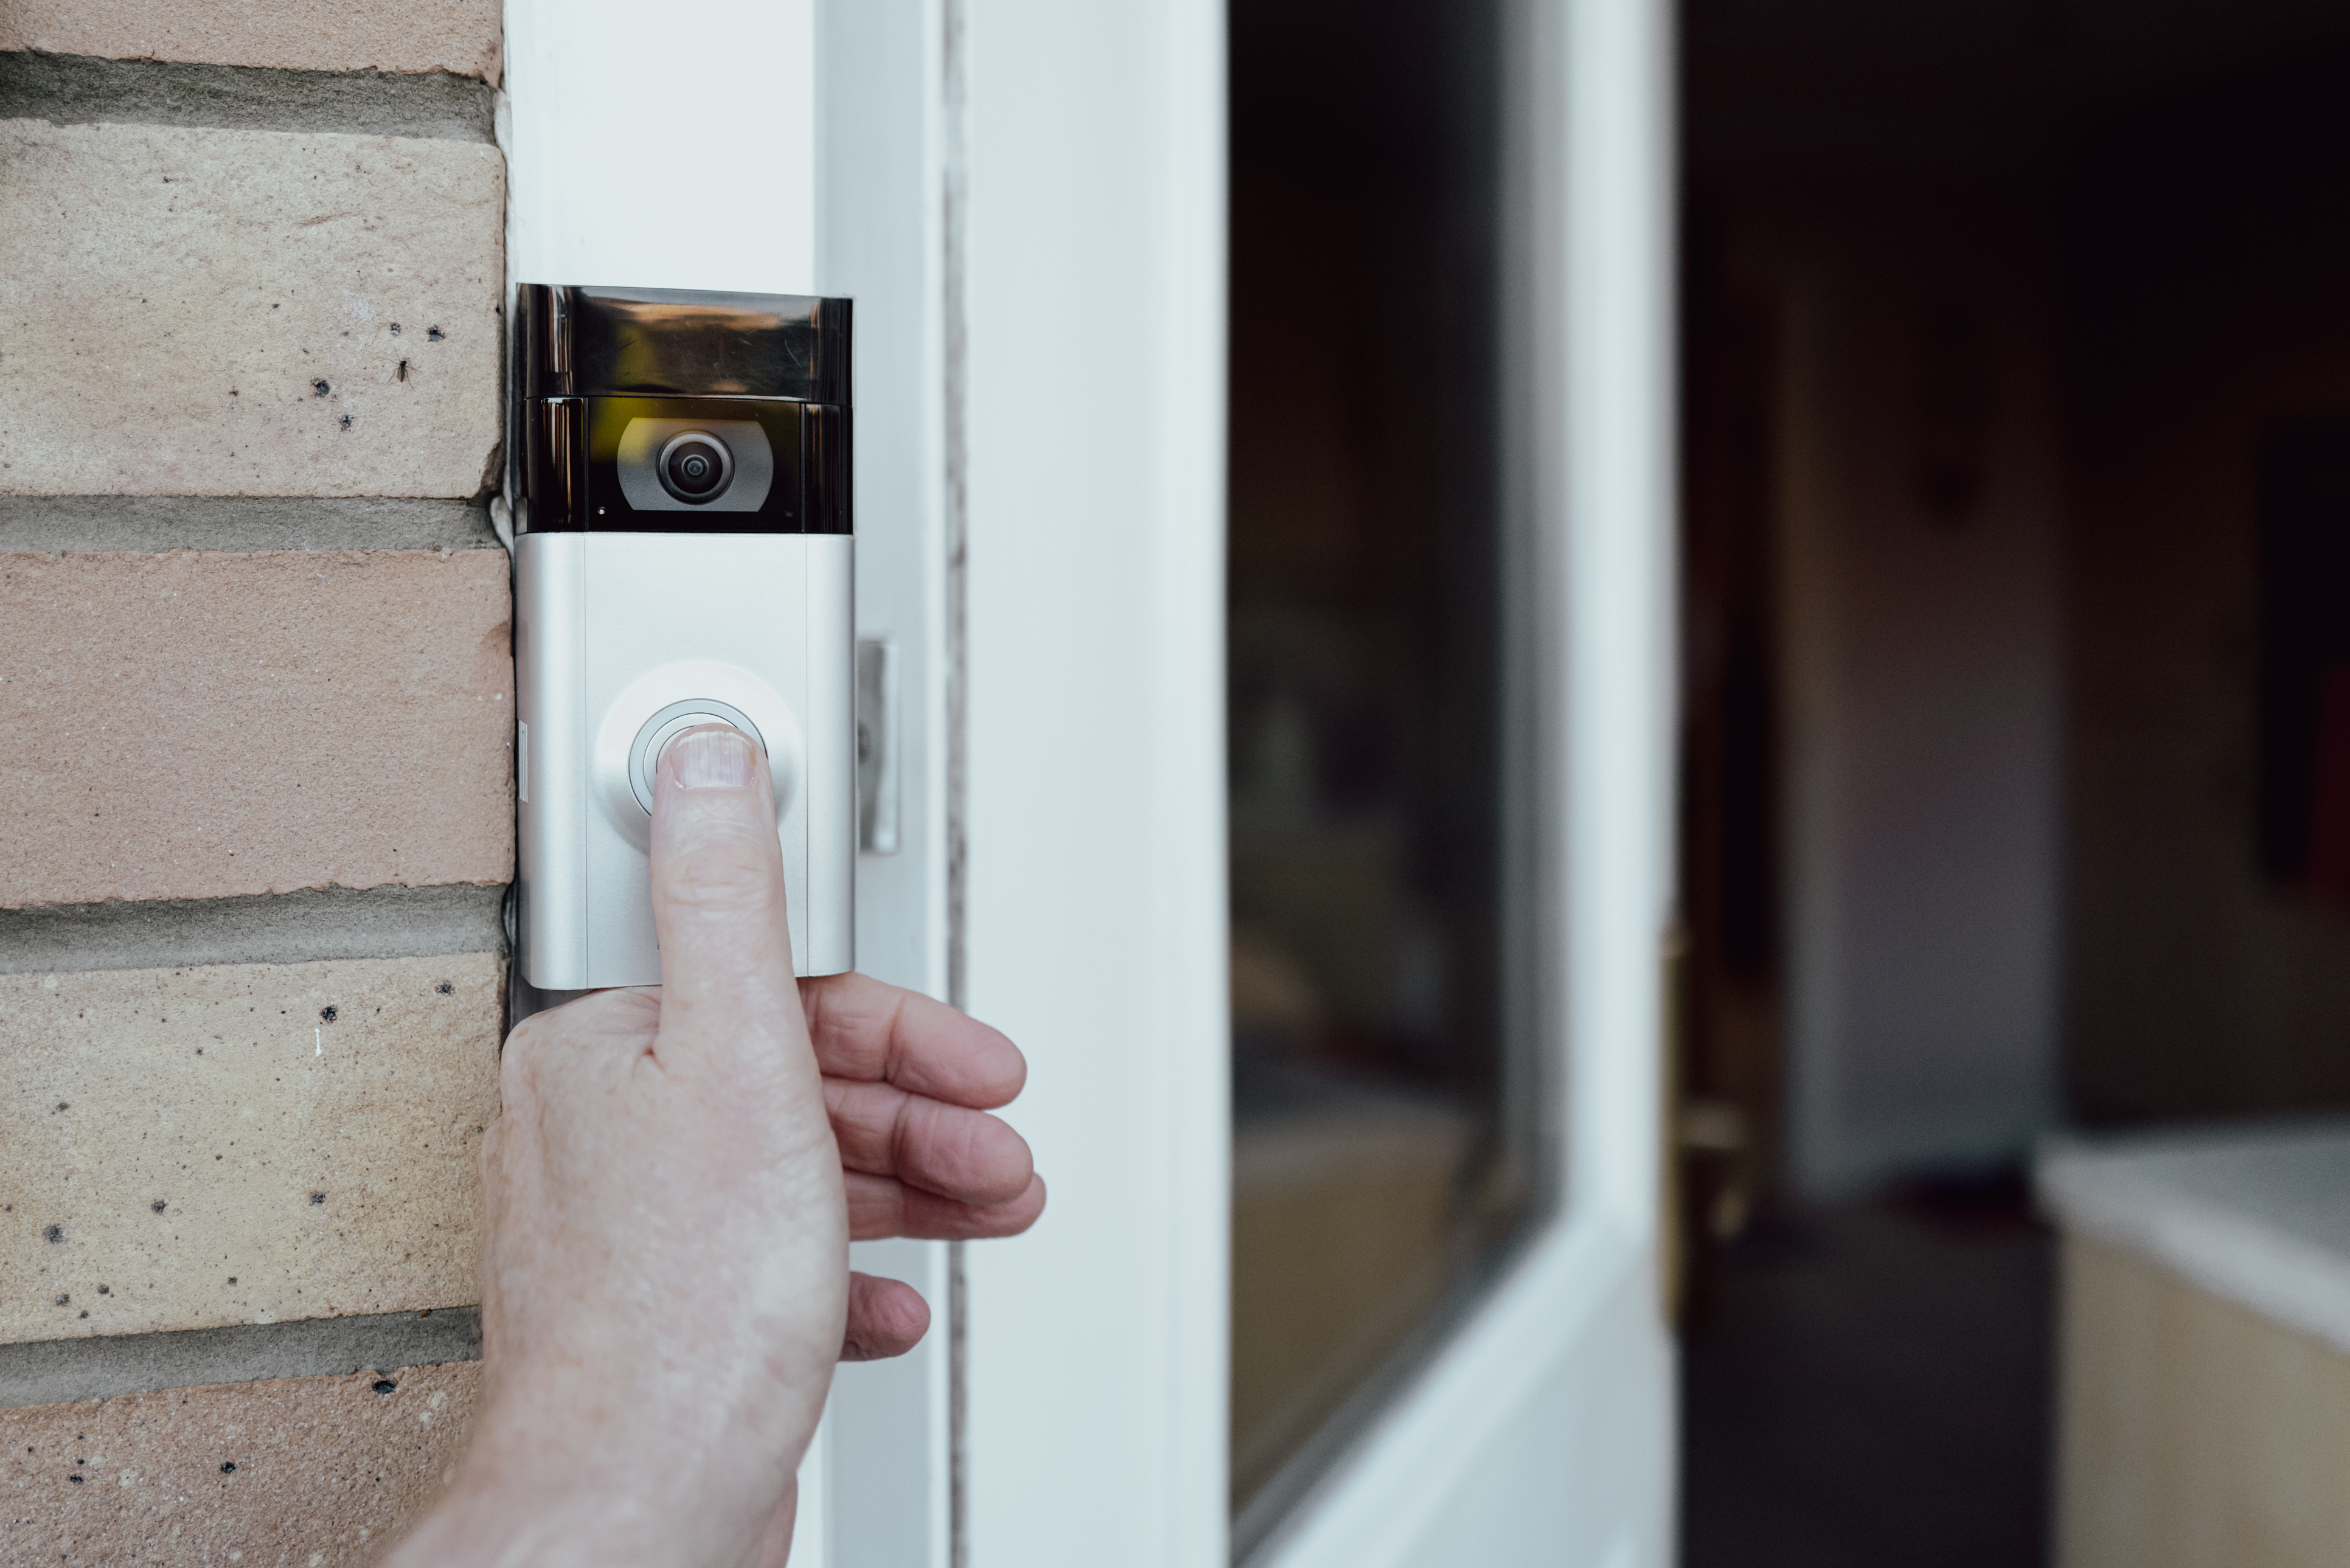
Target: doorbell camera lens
x=695, y=467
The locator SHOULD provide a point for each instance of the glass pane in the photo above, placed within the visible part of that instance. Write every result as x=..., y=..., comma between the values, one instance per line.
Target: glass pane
x=1376, y=1168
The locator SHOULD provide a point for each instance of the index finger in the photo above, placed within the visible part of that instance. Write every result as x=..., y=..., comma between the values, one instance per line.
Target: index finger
x=864, y=1029
x=718, y=897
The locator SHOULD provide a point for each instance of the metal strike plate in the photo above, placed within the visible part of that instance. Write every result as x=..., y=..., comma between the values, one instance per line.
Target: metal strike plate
x=877, y=745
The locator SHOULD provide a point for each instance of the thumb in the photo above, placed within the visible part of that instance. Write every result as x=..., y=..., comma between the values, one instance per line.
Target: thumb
x=718, y=890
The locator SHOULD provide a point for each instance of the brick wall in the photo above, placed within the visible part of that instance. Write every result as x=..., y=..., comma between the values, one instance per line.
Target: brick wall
x=256, y=684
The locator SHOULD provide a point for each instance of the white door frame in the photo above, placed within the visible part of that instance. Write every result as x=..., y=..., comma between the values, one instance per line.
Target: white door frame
x=1096, y=908
x=885, y=142
x=1027, y=200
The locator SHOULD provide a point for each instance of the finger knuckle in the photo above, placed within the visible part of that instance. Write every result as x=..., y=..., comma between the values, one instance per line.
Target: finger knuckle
x=727, y=876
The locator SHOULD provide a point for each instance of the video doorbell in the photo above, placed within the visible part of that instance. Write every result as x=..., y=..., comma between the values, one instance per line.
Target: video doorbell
x=679, y=475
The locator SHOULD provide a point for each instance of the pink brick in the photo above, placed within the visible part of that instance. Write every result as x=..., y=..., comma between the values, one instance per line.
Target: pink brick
x=200, y=726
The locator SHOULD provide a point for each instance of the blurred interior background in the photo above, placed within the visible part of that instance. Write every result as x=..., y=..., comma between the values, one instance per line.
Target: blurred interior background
x=2016, y=706
x=2016, y=424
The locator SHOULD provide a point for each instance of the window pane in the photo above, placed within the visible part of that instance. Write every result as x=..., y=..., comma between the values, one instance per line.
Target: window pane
x=1376, y=1169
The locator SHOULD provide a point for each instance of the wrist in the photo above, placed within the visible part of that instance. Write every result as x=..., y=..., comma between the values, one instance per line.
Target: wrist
x=497, y=1520
x=536, y=1490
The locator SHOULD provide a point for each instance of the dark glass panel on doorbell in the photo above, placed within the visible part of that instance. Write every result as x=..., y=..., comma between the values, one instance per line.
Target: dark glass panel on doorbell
x=657, y=410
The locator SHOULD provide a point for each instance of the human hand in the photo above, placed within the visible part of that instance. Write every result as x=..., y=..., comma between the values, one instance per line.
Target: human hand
x=907, y=1083
x=664, y=1273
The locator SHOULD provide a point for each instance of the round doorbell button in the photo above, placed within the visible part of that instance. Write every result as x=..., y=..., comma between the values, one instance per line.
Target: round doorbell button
x=658, y=732
x=662, y=704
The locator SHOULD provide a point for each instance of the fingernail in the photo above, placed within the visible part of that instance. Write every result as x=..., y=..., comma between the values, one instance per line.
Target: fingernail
x=712, y=759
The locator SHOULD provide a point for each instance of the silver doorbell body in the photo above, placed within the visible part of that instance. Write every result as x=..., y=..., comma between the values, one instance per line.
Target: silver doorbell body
x=683, y=554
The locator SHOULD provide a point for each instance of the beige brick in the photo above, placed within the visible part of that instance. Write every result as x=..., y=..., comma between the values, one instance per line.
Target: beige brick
x=185, y=1148
x=458, y=36
x=328, y=1472
x=198, y=726
x=172, y=300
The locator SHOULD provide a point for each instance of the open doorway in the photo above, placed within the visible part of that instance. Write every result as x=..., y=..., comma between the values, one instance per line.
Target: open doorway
x=2016, y=762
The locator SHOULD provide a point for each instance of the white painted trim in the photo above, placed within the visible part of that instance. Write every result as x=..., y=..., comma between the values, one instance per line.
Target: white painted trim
x=668, y=149
x=878, y=240
x=1096, y=903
